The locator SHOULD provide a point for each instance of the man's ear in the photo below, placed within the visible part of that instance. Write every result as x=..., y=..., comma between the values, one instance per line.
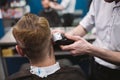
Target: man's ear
x=19, y=50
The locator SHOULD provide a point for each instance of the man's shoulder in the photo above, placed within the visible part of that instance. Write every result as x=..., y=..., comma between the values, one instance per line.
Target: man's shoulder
x=72, y=73
x=18, y=75
x=69, y=69
x=65, y=73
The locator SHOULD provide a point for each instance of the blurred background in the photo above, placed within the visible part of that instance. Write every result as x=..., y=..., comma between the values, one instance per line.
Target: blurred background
x=12, y=10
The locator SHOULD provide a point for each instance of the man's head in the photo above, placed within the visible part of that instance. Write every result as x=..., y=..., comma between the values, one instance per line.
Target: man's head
x=33, y=36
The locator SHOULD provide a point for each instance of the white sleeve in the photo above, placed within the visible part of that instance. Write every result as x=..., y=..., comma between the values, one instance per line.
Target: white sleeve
x=0, y=14
x=65, y=3
x=88, y=21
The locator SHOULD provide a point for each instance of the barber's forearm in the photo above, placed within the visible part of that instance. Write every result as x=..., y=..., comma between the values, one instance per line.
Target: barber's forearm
x=78, y=31
x=108, y=55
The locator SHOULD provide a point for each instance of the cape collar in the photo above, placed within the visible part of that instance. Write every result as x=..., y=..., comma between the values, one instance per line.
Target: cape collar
x=44, y=71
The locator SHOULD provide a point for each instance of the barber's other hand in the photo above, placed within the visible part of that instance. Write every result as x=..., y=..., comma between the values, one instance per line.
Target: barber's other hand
x=79, y=47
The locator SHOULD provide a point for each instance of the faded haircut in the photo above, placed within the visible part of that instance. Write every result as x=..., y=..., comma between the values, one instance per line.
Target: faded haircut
x=32, y=34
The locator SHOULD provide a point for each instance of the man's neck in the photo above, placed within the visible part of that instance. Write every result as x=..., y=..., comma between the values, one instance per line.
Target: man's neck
x=47, y=61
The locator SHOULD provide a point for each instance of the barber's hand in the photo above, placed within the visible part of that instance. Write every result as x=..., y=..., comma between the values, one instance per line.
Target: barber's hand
x=79, y=47
x=57, y=30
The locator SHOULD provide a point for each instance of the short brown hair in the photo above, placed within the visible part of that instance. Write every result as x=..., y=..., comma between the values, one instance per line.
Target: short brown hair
x=32, y=34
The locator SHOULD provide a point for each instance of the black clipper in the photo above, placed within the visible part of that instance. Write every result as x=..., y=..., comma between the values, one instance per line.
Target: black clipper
x=60, y=39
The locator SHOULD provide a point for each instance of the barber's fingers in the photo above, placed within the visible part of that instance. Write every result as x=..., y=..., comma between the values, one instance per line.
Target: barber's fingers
x=67, y=47
x=73, y=45
x=73, y=52
x=74, y=38
x=76, y=53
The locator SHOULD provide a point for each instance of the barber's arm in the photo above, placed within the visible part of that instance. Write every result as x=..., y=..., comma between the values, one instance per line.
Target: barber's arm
x=108, y=55
x=78, y=31
x=86, y=24
x=81, y=46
